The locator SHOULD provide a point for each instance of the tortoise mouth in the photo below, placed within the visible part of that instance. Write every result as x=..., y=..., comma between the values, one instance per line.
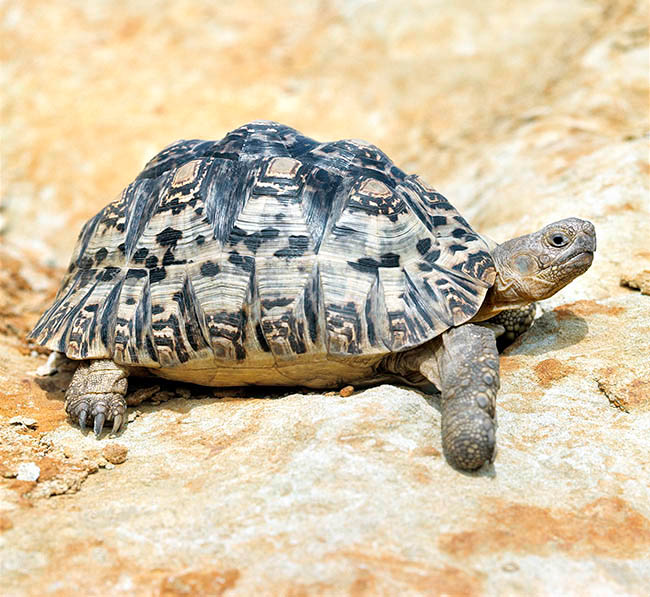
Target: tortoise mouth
x=581, y=261
x=562, y=272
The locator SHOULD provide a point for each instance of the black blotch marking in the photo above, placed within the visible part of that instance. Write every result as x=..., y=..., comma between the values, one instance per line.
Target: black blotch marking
x=370, y=265
x=255, y=239
x=433, y=256
x=209, y=269
x=122, y=248
x=151, y=350
x=85, y=262
x=130, y=301
x=462, y=220
x=458, y=232
x=310, y=304
x=425, y=267
x=136, y=273
x=151, y=262
x=242, y=261
x=157, y=309
x=140, y=254
x=109, y=273
x=261, y=339
x=389, y=260
x=157, y=274
x=372, y=337
x=168, y=257
x=439, y=220
x=365, y=264
x=200, y=239
x=298, y=245
x=455, y=248
x=100, y=255
x=169, y=237
x=423, y=245
x=279, y=302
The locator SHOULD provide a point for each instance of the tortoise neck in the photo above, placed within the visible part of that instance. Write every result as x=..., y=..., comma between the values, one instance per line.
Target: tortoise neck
x=505, y=293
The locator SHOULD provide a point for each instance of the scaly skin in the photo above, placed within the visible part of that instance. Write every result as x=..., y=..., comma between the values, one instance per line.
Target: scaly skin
x=467, y=367
x=514, y=322
x=96, y=393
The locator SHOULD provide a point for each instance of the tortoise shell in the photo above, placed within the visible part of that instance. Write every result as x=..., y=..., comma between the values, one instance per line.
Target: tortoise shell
x=263, y=248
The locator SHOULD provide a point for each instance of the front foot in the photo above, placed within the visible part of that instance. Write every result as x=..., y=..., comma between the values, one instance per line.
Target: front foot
x=96, y=395
x=469, y=367
x=515, y=322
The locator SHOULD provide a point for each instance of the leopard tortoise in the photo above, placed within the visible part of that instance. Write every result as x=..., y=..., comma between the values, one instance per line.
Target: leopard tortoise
x=270, y=258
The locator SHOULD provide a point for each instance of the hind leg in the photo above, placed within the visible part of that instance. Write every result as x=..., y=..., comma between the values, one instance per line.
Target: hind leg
x=96, y=393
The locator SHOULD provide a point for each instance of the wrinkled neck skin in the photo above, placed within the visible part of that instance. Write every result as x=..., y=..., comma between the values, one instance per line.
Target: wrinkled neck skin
x=508, y=291
x=535, y=266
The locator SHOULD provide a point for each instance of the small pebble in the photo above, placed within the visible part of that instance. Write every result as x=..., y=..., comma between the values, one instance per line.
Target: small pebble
x=115, y=453
x=346, y=391
x=26, y=421
x=28, y=471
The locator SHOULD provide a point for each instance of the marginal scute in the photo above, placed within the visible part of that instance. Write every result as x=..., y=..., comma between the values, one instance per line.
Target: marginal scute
x=262, y=248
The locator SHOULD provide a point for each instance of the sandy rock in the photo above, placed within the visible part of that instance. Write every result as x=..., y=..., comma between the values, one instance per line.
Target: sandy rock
x=313, y=493
x=639, y=281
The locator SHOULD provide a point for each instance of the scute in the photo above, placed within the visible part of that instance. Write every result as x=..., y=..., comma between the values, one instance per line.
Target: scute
x=262, y=249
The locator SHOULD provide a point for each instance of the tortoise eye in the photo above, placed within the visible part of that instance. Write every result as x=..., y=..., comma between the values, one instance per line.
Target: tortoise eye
x=558, y=239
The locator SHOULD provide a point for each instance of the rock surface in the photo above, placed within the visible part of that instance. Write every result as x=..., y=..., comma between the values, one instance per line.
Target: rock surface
x=520, y=114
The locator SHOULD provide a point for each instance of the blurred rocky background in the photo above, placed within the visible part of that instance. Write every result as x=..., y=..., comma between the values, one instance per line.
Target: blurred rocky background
x=520, y=113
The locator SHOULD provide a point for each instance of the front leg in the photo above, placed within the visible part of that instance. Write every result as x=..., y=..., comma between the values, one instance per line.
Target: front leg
x=467, y=367
x=96, y=393
x=514, y=322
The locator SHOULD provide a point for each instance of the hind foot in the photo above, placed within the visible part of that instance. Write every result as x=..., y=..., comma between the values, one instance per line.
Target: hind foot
x=96, y=394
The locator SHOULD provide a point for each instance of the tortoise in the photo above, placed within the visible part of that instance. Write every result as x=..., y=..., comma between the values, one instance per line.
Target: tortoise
x=269, y=258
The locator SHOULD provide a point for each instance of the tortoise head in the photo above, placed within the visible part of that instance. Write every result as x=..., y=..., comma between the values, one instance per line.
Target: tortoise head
x=535, y=266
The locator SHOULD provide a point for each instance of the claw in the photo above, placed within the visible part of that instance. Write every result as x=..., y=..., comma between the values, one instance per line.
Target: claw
x=117, y=423
x=99, y=423
x=83, y=415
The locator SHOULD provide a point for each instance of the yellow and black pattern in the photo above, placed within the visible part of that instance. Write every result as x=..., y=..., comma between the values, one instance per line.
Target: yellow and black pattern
x=263, y=246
